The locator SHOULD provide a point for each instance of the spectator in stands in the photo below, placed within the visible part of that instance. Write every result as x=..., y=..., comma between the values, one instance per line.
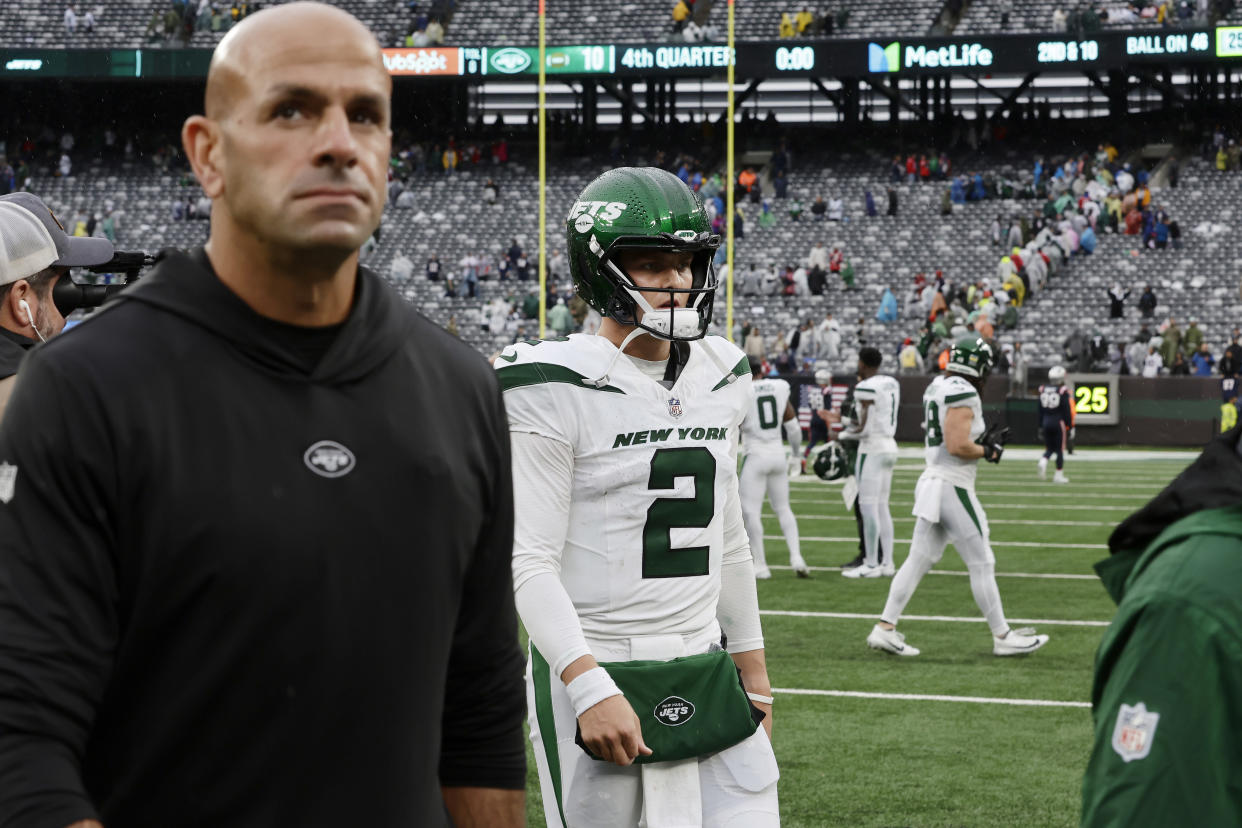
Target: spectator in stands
x=1231, y=360
x=65, y=168
x=753, y=344
x=1147, y=303
x=828, y=338
x=1116, y=299
x=1202, y=361
x=681, y=13
x=819, y=209
x=787, y=26
x=1180, y=367
x=780, y=184
x=795, y=209
x=746, y=180
x=803, y=21
x=449, y=159
x=1193, y=338
x=71, y=20
x=433, y=268
x=1153, y=364
x=435, y=32
x=1222, y=159
x=88, y=21
x=869, y=204
x=1172, y=341
x=895, y=170
x=912, y=169
x=892, y=202
x=817, y=259
x=1077, y=349
x=909, y=360
x=888, y=307
x=836, y=209
x=490, y=191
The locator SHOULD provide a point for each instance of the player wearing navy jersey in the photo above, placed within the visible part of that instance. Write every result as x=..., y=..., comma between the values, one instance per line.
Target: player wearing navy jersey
x=1056, y=419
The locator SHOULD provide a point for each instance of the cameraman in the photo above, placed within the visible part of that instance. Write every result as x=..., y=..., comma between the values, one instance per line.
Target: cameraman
x=35, y=252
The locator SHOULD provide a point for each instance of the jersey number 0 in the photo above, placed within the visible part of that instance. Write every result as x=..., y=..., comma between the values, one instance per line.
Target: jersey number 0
x=660, y=558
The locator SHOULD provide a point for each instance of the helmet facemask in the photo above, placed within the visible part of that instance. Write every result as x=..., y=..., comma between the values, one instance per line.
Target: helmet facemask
x=632, y=305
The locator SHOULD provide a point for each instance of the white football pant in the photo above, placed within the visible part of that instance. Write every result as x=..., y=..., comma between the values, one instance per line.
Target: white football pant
x=766, y=472
x=946, y=513
x=874, y=476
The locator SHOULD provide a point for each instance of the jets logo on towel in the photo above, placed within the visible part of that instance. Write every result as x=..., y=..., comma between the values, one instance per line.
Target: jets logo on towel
x=1135, y=730
x=8, y=481
x=328, y=458
x=674, y=711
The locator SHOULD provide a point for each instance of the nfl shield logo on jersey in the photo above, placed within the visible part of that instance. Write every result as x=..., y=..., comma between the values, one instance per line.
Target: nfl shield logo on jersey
x=674, y=407
x=1135, y=730
x=8, y=481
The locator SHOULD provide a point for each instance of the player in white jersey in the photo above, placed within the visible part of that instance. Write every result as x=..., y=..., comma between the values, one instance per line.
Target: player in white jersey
x=877, y=398
x=945, y=506
x=766, y=466
x=628, y=541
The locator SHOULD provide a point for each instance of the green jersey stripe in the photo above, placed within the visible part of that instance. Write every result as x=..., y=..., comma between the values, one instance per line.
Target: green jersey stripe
x=742, y=369
x=537, y=373
x=541, y=674
x=965, y=395
x=964, y=496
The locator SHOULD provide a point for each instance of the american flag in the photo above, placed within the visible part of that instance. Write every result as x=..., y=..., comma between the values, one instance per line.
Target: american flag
x=811, y=399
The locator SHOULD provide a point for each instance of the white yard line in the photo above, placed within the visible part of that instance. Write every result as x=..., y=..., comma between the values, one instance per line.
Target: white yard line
x=990, y=506
x=1063, y=493
x=994, y=522
x=1046, y=622
x=857, y=694
x=987, y=483
x=906, y=541
x=1052, y=576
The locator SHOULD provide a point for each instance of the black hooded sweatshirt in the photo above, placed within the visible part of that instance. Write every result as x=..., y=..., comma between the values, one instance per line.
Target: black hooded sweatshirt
x=254, y=576
x=12, y=348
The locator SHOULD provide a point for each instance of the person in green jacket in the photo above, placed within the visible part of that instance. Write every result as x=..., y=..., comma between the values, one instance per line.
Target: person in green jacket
x=1167, y=693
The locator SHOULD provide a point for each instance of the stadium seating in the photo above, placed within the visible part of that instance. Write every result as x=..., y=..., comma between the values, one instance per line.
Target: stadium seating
x=451, y=219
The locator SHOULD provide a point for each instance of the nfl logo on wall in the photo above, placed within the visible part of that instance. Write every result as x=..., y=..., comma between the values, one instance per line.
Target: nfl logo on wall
x=1135, y=730
x=674, y=407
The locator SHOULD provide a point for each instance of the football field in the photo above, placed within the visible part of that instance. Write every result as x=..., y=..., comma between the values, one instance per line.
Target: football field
x=954, y=736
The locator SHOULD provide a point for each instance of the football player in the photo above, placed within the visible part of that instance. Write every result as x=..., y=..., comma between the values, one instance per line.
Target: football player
x=877, y=397
x=1056, y=420
x=765, y=467
x=629, y=547
x=818, y=400
x=945, y=506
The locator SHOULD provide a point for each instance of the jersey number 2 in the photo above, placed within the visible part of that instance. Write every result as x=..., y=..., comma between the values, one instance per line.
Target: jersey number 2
x=660, y=558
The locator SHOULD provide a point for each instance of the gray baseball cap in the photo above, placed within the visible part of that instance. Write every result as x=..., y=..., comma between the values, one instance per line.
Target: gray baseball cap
x=27, y=247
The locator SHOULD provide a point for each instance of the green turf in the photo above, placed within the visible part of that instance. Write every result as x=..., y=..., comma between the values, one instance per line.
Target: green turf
x=892, y=762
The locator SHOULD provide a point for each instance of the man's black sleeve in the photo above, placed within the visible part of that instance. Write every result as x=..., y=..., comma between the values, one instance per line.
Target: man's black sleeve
x=58, y=593
x=485, y=697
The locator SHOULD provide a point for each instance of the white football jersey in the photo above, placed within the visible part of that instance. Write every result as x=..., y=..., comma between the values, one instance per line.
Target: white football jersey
x=653, y=468
x=884, y=394
x=945, y=392
x=761, y=430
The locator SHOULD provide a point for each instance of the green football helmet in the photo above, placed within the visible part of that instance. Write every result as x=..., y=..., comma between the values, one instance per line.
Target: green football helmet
x=971, y=357
x=832, y=462
x=642, y=208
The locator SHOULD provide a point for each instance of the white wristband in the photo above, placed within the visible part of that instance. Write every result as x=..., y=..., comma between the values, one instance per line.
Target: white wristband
x=758, y=697
x=591, y=688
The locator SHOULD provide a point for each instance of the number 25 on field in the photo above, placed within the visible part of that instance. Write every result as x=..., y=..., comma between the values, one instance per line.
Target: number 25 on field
x=1092, y=399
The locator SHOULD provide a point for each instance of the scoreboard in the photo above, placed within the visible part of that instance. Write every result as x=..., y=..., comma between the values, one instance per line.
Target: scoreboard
x=1095, y=398
x=1004, y=53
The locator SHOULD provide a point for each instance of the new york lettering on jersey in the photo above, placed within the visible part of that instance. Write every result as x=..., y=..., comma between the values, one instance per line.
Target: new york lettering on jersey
x=657, y=467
